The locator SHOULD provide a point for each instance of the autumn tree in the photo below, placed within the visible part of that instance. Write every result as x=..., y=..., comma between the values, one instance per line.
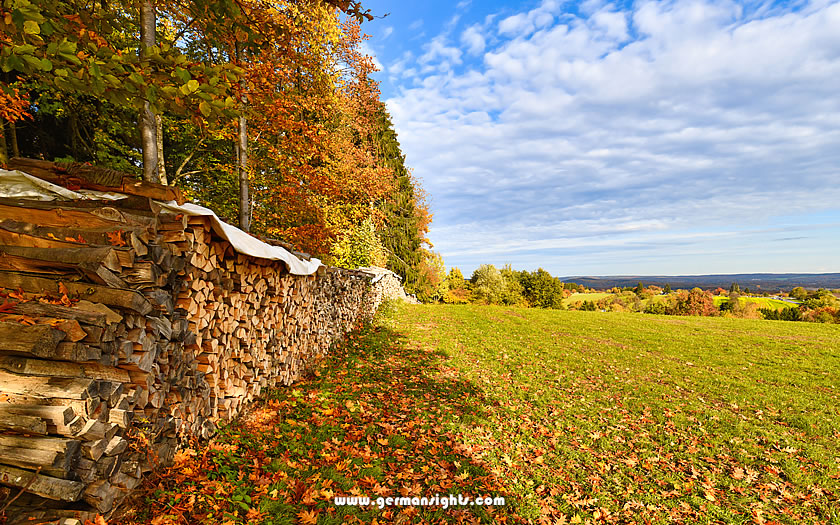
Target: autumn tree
x=542, y=290
x=694, y=302
x=488, y=284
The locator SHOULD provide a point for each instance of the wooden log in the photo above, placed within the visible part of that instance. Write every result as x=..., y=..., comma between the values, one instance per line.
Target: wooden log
x=56, y=415
x=23, y=424
x=70, y=429
x=100, y=495
x=52, y=463
x=67, y=388
x=56, y=216
x=37, y=367
x=44, y=486
x=94, y=450
x=128, y=299
x=80, y=257
x=116, y=445
x=92, y=430
x=37, y=340
x=27, y=234
x=74, y=313
x=64, y=445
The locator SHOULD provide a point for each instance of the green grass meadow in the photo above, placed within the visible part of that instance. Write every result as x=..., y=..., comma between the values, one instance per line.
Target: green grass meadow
x=762, y=302
x=573, y=417
x=594, y=296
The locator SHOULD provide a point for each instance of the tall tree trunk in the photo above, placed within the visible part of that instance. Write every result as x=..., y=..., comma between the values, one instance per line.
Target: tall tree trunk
x=148, y=128
x=13, y=130
x=242, y=161
x=161, y=166
x=244, y=187
x=4, y=149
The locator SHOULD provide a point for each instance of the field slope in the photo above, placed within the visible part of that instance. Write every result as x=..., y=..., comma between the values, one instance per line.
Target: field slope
x=572, y=416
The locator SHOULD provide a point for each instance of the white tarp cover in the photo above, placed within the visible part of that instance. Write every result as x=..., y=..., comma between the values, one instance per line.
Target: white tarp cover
x=19, y=185
x=245, y=244
x=379, y=273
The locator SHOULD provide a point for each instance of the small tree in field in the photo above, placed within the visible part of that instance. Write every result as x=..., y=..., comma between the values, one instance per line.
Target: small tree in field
x=542, y=290
x=695, y=302
x=488, y=284
x=799, y=293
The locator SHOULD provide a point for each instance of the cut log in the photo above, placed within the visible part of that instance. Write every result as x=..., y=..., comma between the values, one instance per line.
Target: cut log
x=44, y=486
x=58, y=217
x=128, y=299
x=56, y=415
x=51, y=462
x=26, y=234
x=85, y=257
x=76, y=313
x=37, y=340
x=67, y=388
x=23, y=424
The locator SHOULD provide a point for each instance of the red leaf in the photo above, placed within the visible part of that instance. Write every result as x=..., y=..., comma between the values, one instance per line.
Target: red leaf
x=7, y=306
x=116, y=238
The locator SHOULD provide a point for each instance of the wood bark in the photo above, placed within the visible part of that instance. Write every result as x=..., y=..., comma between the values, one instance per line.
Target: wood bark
x=242, y=158
x=161, y=164
x=14, y=139
x=148, y=127
x=4, y=147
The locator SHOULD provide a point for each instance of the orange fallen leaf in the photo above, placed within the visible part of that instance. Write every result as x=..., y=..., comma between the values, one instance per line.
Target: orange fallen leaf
x=116, y=238
x=308, y=517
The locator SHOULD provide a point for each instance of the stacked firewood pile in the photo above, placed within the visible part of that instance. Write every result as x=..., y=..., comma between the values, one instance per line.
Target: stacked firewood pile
x=386, y=285
x=125, y=328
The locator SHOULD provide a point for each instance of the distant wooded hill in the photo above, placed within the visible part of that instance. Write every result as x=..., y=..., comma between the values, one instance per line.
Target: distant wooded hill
x=755, y=281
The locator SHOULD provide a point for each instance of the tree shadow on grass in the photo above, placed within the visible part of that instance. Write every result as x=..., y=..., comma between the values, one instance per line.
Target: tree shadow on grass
x=375, y=419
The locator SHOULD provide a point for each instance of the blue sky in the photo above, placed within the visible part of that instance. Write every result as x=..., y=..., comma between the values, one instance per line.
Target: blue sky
x=594, y=138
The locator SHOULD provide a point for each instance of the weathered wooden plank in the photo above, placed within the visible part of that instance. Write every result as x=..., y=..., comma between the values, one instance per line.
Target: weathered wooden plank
x=44, y=486
x=23, y=424
x=56, y=415
x=39, y=340
x=27, y=234
x=33, y=308
x=64, y=445
x=63, y=387
x=76, y=256
x=52, y=463
x=128, y=299
x=58, y=217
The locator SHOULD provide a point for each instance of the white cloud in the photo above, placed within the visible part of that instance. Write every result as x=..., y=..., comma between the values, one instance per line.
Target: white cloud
x=523, y=24
x=439, y=55
x=473, y=40
x=387, y=32
x=570, y=138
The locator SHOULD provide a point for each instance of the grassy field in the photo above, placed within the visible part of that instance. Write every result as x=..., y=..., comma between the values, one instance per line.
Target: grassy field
x=762, y=302
x=573, y=417
x=594, y=296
